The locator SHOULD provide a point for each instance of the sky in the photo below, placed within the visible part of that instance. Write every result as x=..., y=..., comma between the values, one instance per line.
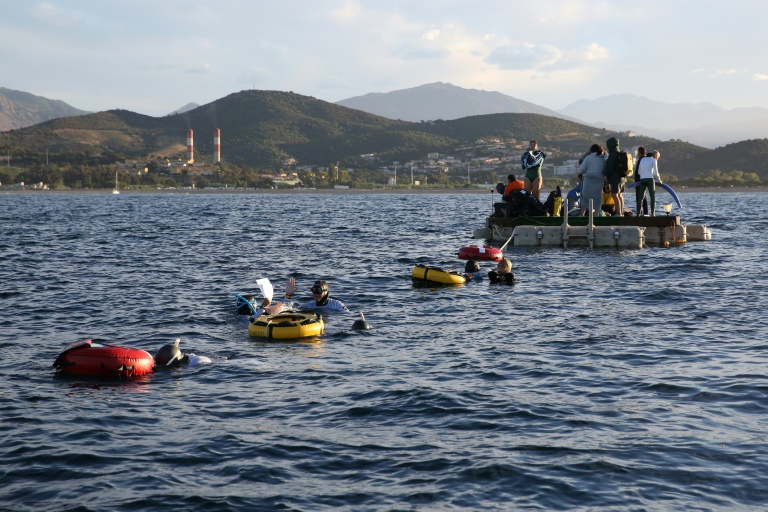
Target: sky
x=154, y=57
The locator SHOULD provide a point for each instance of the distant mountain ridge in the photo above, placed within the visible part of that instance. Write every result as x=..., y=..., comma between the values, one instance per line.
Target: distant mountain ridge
x=185, y=108
x=704, y=124
x=269, y=128
x=439, y=100
x=20, y=109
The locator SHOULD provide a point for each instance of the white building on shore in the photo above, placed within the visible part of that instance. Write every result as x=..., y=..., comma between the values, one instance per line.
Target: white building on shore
x=568, y=168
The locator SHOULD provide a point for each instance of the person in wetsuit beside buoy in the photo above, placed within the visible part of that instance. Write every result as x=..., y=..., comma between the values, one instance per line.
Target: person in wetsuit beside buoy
x=250, y=308
x=321, y=302
x=472, y=271
x=320, y=297
x=171, y=355
x=503, y=273
x=247, y=307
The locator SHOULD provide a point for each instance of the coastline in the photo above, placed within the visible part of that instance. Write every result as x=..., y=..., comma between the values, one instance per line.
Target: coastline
x=682, y=190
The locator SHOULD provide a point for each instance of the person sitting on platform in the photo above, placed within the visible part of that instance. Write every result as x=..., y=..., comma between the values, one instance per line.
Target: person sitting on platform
x=609, y=205
x=554, y=202
x=573, y=195
x=503, y=273
x=514, y=184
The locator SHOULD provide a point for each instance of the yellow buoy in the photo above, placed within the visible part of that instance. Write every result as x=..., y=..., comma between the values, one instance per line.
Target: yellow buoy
x=437, y=275
x=286, y=326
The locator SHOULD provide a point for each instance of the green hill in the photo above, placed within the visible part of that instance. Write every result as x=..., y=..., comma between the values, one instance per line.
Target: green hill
x=264, y=128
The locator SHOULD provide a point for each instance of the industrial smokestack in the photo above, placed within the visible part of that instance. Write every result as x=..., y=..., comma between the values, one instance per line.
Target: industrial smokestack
x=191, y=146
x=217, y=146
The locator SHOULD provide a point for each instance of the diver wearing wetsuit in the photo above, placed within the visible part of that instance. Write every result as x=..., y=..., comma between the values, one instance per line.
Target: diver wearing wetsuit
x=320, y=298
x=171, y=355
x=531, y=161
x=503, y=273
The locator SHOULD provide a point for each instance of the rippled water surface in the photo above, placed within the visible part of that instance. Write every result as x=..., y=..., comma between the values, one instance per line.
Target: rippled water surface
x=603, y=380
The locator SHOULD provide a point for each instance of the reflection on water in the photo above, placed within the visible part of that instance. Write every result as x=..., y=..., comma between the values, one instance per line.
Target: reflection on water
x=619, y=380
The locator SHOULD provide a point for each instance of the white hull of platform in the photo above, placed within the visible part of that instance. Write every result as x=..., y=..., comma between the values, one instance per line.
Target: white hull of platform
x=628, y=237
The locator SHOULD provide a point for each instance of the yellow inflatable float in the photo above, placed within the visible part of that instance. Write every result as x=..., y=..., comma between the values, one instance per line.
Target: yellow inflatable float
x=437, y=275
x=286, y=325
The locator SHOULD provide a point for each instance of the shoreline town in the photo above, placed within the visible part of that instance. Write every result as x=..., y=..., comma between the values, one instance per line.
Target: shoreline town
x=385, y=190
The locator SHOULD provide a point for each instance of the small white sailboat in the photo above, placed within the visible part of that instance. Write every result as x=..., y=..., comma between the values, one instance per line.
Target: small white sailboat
x=116, y=190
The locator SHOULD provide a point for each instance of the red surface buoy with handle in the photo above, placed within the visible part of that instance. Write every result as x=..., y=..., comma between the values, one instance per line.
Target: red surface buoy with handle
x=86, y=357
x=480, y=253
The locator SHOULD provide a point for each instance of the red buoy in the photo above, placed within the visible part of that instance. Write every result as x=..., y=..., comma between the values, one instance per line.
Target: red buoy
x=480, y=253
x=85, y=357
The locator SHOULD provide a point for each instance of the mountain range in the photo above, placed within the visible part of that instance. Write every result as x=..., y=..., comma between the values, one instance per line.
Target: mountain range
x=703, y=124
x=439, y=100
x=266, y=129
x=21, y=109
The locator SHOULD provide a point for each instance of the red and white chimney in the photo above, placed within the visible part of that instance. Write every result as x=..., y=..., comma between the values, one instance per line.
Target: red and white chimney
x=217, y=146
x=191, y=145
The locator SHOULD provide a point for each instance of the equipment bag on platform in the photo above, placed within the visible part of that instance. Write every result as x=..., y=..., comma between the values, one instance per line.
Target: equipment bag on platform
x=626, y=165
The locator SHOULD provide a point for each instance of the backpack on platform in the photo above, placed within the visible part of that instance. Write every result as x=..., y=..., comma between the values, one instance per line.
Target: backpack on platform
x=626, y=165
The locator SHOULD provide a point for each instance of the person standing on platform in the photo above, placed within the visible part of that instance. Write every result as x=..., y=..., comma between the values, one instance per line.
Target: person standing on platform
x=648, y=169
x=613, y=175
x=592, y=168
x=531, y=161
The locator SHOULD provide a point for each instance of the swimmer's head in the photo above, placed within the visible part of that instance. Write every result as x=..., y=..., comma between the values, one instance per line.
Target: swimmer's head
x=170, y=355
x=319, y=289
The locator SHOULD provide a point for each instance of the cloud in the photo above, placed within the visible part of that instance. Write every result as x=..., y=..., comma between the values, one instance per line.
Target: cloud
x=431, y=35
x=66, y=18
x=543, y=57
x=420, y=52
x=760, y=76
x=591, y=53
x=717, y=73
x=588, y=55
x=524, y=57
x=347, y=13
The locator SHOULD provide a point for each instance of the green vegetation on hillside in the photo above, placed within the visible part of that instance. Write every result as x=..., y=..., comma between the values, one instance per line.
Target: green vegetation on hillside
x=264, y=132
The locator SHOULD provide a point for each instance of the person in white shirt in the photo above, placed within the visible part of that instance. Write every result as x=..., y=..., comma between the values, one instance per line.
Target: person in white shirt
x=648, y=171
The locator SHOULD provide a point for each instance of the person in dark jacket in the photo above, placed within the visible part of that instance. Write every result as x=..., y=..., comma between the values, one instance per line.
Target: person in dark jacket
x=615, y=179
x=641, y=153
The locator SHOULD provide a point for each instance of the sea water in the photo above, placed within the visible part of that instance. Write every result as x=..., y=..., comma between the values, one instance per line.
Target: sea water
x=603, y=380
